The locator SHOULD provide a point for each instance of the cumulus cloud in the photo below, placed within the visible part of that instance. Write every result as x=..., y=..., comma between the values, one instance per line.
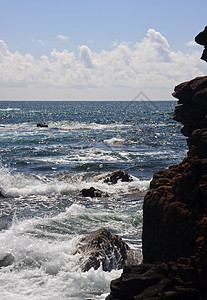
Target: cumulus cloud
x=149, y=64
x=191, y=44
x=3, y=49
x=86, y=56
x=62, y=37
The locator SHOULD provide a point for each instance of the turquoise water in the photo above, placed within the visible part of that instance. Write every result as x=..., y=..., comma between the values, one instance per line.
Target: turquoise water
x=43, y=170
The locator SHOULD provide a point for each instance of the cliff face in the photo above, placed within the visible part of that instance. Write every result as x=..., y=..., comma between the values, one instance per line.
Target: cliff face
x=175, y=215
x=175, y=208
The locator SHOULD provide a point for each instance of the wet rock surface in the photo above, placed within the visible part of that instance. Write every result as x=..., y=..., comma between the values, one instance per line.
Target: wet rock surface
x=117, y=175
x=6, y=259
x=92, y=192
x=102, y=248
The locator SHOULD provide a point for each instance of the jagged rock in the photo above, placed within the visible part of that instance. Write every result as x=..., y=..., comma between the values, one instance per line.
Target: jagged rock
x=176, y=201
x=192, y=113
x=6, y=259
x=175, y=215
x=103, y=248
x=173, y=280
x=92, y=192
x=201, y=39
x=117, y=175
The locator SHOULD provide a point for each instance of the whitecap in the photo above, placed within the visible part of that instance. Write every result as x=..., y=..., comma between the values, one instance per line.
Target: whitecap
x=65, y=125
x=10, y=109
x=114, y=141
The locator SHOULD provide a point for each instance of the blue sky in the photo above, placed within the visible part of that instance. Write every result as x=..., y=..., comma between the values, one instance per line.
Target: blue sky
x=98, y=50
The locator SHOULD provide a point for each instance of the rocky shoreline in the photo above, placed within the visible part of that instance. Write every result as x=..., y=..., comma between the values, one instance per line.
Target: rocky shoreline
x=175, y=215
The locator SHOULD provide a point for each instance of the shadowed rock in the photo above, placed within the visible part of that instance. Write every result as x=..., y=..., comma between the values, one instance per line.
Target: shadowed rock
x=175, y=214
x=201, y=39
x=157, y=281
x=92, y=192
x=117, y=175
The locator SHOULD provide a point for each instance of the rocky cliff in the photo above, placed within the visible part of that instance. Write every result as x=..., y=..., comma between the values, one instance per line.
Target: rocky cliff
x=175, y=208
x=175, y=215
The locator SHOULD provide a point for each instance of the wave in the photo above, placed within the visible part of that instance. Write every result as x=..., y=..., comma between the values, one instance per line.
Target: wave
x=65, y=125
x=18, y=126
x=20, y=184
x=10, y=109
x=45, y=268
x=115, y=141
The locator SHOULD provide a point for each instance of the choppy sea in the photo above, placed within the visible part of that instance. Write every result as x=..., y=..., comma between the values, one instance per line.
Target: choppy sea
x=42, y=171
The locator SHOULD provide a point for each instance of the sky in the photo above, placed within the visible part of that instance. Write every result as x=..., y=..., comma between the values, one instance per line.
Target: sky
x=98, y=49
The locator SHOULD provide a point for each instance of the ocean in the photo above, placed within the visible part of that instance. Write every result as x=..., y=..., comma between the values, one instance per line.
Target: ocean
x=43, y=170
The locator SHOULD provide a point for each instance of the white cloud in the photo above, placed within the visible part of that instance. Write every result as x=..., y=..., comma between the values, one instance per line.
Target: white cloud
x=40, y=42
x=3, y=49
x=86, y=56
x=149, y=65
x=191, y=44
x=62, y=37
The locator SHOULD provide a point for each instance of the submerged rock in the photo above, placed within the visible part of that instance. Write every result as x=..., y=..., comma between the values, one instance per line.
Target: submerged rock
x=117, y=175
x=92, y=192
x=103, y=248
x=6, y=259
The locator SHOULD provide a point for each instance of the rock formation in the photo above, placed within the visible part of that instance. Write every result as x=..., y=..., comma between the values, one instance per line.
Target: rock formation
x=168, y=281
x=6, y=259
x=201, y=39
x=117, y=175
x=92, y=192
x=103, y=248
x=175, y=215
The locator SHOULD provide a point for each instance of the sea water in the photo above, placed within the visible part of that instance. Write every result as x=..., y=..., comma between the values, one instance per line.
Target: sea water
x=42, y=171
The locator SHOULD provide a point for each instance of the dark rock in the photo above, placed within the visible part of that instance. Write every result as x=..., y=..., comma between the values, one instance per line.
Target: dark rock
x=201, y=39
x=177, y=202
x=6, y=259
x=42, y=125
x=175, y=213
x=92, y=192
x=103, y=248
x=118, y=175
x=193, y=97
x=157, y=281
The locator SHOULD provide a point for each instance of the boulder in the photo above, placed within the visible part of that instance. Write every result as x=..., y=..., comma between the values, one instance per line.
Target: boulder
x=6, y=259
x=117, y=175
x=92, y=192
x=103, y=248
